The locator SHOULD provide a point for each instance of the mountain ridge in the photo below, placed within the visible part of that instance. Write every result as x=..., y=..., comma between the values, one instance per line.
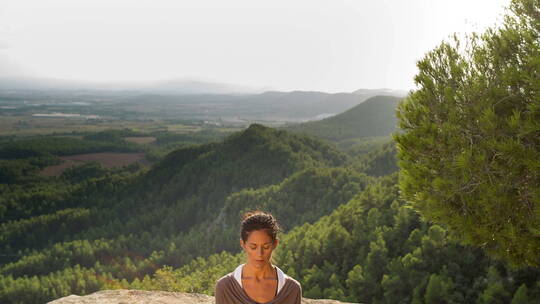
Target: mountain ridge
x=373, y=118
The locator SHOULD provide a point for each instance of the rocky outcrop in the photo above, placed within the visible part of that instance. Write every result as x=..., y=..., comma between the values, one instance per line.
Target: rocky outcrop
x=122, y=296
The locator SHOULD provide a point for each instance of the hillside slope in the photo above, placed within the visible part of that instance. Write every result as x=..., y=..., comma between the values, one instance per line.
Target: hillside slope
x=372, y=249
x=374, y=117
x=123, y=227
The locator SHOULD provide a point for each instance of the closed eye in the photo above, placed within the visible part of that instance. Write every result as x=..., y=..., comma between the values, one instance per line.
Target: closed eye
x=265, y=248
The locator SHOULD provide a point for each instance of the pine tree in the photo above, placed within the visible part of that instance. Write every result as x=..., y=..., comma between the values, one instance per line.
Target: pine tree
x=520, y=297
x=437, y=290
x=469, y=152
x=495, y=291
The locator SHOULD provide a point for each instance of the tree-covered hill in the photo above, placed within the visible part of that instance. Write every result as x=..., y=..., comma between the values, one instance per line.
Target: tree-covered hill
x=126, y=225
x=298, y=105
x=347, y=234
x=377, y=161
x=373, y=249
x=186, y=187
x=374, y=117
x=301, y=198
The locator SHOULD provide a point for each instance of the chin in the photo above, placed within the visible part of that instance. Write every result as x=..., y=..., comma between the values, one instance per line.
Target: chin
x=259, y=264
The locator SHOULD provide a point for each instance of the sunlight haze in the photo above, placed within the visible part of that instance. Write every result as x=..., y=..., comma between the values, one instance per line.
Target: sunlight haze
x=327, y=46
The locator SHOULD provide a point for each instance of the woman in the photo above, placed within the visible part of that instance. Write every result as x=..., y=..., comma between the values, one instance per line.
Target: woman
x=258, y=281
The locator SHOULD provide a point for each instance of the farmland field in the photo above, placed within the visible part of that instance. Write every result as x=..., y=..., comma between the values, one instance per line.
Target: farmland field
x=141, y=140
x=28, y=125
x=106, y=159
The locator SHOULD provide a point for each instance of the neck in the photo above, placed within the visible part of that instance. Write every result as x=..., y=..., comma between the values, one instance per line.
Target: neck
x=259, y=273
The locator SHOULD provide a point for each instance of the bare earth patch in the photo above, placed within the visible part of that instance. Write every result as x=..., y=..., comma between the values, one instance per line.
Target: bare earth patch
x=58, y=169
x=141, y=140
x=106, y=159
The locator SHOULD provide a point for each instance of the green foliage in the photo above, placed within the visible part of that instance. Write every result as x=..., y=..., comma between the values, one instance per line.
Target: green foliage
x=438, y=289
x=378, y=162
x=469, y=152
x=368, y=144
x=51, y=227
x=50, y=145
x=420, y=263
x=166, y=142
x=83, y=172
x=377, y=248
x=347, y=236
x=112, y=135
x=198, y=276
x=24, y=171
x=495, y=291
x=130, y=224
x=202, y=136
x=309, y=193
x=46, y=196
x=372, y=118
x=43, y=289
x=21, y=201
x=520, y=297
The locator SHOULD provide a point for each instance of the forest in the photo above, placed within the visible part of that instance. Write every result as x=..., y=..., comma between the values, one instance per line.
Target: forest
x=442, y=208
x=347, y=233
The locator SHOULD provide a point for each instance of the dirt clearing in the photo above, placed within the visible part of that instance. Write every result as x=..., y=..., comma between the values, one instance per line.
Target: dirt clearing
x=106, y=159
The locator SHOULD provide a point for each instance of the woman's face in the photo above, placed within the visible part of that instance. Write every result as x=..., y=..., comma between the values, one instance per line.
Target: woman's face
x=258, y=247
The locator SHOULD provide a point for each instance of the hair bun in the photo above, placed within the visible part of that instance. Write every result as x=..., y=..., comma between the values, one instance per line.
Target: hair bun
x=254, y=212
x=258, y=220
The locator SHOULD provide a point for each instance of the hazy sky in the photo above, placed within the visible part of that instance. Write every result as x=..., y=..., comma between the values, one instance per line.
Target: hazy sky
x=332, y=45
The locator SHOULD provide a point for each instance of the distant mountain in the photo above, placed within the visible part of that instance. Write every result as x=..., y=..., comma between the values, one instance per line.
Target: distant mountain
x=178, y=86
x=32, y=83
x=172, y=86
x=298, y=105
x=386, y=92
x=374, y=117
x=191, y=99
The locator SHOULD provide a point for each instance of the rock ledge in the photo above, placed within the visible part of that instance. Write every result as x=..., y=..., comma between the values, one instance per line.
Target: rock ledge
x=127, y=296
